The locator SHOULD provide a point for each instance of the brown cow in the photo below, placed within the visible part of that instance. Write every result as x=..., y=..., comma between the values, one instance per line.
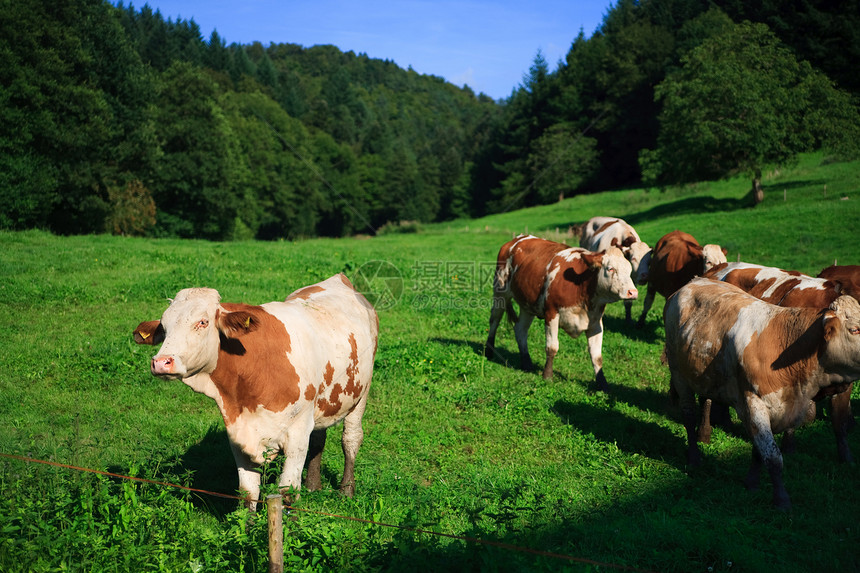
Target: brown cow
x=281, y=373
x=676, y=259
x=566, y=286
x=788, y=288
x=848, y=277
x=600, y=233
x=766, y=361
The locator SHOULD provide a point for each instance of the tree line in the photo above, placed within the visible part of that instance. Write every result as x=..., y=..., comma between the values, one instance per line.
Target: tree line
x=114, y=119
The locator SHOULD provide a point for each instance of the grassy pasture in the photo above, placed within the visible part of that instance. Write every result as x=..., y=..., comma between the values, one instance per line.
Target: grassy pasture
x=453, y=443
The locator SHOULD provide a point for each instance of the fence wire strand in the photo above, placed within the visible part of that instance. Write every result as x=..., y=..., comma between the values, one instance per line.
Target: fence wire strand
x=499, y=544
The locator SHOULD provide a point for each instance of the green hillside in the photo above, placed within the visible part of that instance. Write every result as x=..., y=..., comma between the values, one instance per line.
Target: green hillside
x=454, y=443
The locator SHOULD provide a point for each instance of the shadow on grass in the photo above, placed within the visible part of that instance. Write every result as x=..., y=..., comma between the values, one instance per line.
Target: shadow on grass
x=500, y=356
x=648, y=333
x=212, y=468
x=629, y=434
x=689, y=205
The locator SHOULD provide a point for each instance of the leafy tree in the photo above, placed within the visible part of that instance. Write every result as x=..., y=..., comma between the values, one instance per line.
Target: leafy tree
x=560, y=161
x=196, y=185
x=742, y=100
x=132, y=209
x=74, y=115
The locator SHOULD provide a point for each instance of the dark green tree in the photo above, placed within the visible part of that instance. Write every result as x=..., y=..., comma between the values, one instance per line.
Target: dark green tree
x=74, y=114
x=741, y=101
x=196, y=185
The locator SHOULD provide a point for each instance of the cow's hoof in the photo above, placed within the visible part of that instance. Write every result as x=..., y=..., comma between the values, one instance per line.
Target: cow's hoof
x=290, y=496
x=782, y=502
x=347, y=489
x=489, y=352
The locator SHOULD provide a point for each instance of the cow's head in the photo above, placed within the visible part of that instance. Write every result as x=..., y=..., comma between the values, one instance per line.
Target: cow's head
x=639, y=255
x=613, y=275
x=712, y=255
x=191, y=329
x=841, y=357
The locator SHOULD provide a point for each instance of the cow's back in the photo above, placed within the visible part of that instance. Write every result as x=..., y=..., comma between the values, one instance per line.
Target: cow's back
x=523, y=262
x=600, y=233
x=777, y=286
x=848, y=277
x=333, y=332
x=676, y=259
x=725, y=342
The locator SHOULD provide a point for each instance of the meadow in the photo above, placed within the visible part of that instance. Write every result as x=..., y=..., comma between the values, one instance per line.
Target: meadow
x=454, y=443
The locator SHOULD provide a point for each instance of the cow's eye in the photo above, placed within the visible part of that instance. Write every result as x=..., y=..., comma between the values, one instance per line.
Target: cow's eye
x=611, y=269
x=202, y=323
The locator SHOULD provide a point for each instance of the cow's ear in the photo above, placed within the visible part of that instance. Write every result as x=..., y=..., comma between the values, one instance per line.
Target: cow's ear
x=593, y=260
x=236, y=324
x=150, y=332
x=831, y=325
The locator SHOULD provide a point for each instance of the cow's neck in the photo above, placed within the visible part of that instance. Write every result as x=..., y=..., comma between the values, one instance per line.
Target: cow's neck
x=202, y=383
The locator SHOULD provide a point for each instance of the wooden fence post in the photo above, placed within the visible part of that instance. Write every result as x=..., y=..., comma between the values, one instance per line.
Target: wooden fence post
x=275, y=511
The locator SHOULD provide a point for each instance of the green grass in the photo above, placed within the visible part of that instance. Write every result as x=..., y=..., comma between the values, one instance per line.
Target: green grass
x=453, y=443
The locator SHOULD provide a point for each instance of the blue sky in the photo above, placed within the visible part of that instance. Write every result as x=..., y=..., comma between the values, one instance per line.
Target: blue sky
x=487, y=45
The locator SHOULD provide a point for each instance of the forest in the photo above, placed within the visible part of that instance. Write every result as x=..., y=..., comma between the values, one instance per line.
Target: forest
x=121, y=120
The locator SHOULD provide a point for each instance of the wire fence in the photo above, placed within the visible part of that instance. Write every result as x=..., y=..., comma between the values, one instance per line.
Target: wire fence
x=475, y=540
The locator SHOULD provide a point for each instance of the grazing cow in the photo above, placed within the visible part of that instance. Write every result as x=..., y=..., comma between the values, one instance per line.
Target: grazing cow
x=788, y=288
x=600, y=233
x=766, y=361
x=565, y=286
x=676, y=259
x=281, y=373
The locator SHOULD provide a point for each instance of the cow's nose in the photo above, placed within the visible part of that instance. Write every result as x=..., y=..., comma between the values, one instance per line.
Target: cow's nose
x=632, y=293
x=162, y=365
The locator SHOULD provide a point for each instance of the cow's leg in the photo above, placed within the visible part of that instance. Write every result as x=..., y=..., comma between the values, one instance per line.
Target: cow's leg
x=751, y=481
x=646, y=304
x=551, y=327
x=353, y=435
x=687, y=401
x=789, y=442
x=295, y=452
x=496, y=314
x=249, y=477
x=316, y=445
x=841, y=419
x=595, y=350
x=628, y=312
x=767, y=451
x=521, y=331
x=704, y=434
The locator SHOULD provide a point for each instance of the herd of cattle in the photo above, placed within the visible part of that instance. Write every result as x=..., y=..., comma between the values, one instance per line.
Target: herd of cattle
x=768, y=343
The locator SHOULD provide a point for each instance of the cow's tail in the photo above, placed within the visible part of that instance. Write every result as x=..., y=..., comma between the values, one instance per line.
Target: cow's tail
x=510, y=312
x=502, y=288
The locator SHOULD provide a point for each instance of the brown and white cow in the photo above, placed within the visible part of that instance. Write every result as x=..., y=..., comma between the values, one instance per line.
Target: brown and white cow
x=281, y=373
x=766, y=361
x=676, y=259
x=788, y=288
x=567, y=287
x=600, y=233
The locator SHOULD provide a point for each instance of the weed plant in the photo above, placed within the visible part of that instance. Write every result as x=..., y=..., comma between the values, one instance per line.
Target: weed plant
x=454, y=443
